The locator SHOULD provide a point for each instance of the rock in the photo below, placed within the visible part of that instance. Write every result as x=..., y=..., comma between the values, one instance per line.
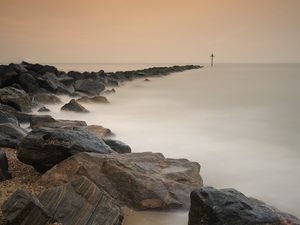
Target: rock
x=147, y=80
x=50, y=82
x=74, y=106
x=96, y=99
x=81, y=202
x=45, y=147
x=138, y=180
x=99, y=131
x=48, y=121
x=15, y=98
x=22, y=208
x=89, y=86
x=8, y=77
x=4, y=172
x=112, y=82
x=118, y=146
x=6, y=117
x=210, y=206
x=66, y=80
x=47, y=99
x=40, y=69
x=76, y=75
x=29, y=83
x=43, y=109
x=11, y=134
x=109, y=91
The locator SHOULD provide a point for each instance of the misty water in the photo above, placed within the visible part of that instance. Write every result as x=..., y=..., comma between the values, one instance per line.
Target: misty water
x=239, y=121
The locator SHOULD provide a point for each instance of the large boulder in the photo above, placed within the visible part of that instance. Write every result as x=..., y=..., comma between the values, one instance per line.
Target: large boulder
x=48, y=121
x=45, y=147
x=81, y=202
x=118, y=146
x=96, y=99
x=74, y=106
x=89, y=86
x=8, y=77
x=39, y=69
x=6, y=117
x=11, y=134
x=15, y=98
x=51, y=83
x=4, y=171
x=210, y=206
x=46, y=98
x=23, y=208
x=43, y=109
x=138, y=180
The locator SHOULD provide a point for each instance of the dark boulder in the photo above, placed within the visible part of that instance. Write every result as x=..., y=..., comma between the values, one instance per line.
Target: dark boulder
x=8, y=77
x=11, y=134
x=48, y=121
x=118, y=146
x=89, y=86
x=49, y=81
x=112, y=82
x=138, y=180
x=4, y=172
x=76, y=75
x=45, y=147
x=43, y=109
x=15, y=98
x=210, y=206
x=6, y=117
x=74, y=106
x=40, y=69
x=109, y=91
x=66, y=80
x=46, y=98
x=99, y=131
x=22, y=208
x=81, y=202
x=96, y=99
x=29, y=83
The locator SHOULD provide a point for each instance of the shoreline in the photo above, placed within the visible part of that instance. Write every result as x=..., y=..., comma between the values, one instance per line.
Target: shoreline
x=122, y=76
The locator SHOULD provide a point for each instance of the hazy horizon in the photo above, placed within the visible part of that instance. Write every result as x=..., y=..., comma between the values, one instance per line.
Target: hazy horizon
x=141, y=31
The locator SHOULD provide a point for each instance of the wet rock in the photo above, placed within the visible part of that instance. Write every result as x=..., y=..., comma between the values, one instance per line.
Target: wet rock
x=74, y=106
x=4, y=172
x=66, y=80
x=8, y=77
x=47, y=98
x=29, y=83
x=89, y=86
x=50, y=82
x=45, y=147
x=15, y=98
x=118, y=146
x=112, y=82
x=147, y=80
x=109, y=91
x=81, y=202
x=11, y=134
x=76, y=75
x=48, y=121
x=22, y=208
x=40, y=69
x=99, y=131
x=210, y=206
x=96, y=99
x=6, y=117
x=43, y=109
x=138, y=180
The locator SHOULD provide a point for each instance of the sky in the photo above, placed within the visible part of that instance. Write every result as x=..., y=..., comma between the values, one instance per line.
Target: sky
x=149, y=31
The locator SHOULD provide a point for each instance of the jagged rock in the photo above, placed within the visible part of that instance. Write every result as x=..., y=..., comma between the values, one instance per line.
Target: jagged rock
x=6, y=117
x=29, y=83
x=74, y=106
x=40, y=69
x=112, y=82
x=43, y=109
x=76, y=75
x=8, y=77
x=47, y=98
x=210, y=206
x=99, y=131
x=138, y=180
x=48, y=121
x=66, y=80
x=45, y=147
x=109, y=91
x=15, y=98
x=22, y=208
x=89, y=86
x=4, y=171
x=96, y=99
x=50, y=82
x=81, y=202
x=11, y=134
x=118, y=146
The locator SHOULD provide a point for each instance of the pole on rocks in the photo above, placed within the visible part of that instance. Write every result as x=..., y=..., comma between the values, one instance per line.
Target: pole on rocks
x=212, y=56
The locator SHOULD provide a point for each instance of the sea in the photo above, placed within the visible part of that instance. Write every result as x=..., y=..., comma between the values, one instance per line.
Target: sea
x=240, y=122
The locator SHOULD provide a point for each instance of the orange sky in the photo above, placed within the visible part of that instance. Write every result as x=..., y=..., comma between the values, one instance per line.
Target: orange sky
x=53, y=31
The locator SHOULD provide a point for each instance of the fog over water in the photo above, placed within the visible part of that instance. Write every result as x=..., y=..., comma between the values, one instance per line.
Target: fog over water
x=239, y=121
